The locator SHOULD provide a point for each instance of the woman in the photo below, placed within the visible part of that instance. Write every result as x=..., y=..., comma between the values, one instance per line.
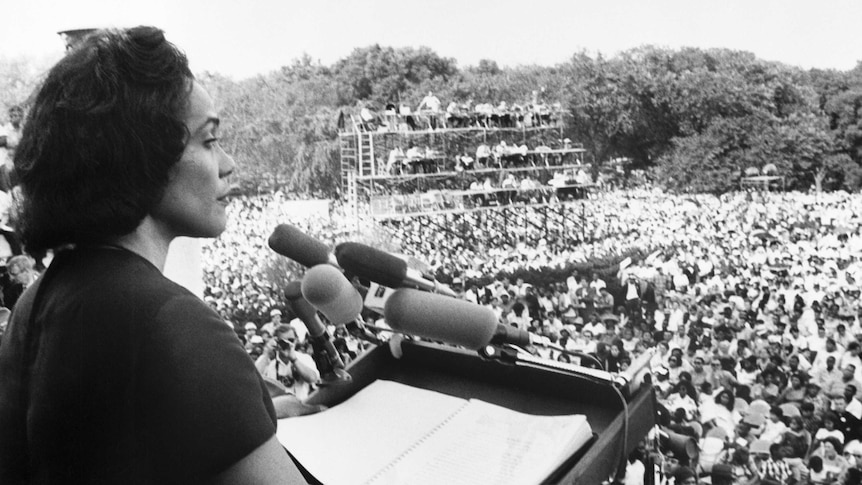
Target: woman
x=795, y=392
x=110, y=372
x=683, y=398
x=720, y=413
x=661, y=356
x=830, y=452
x=796, y=440
x=617, y=355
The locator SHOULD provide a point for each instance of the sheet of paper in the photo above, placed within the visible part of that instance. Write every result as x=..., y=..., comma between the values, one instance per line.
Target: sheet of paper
x=349, y=443
x=485, y=443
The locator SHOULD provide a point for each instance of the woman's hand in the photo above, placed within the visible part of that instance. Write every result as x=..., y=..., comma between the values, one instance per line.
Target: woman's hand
x=289, y=406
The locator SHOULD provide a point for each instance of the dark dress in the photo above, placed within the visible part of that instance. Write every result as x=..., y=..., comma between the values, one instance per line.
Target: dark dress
x=111, y=373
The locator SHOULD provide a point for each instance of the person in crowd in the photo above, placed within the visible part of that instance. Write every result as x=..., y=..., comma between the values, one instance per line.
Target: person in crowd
x=22, y=273
x=683, y=398
x=742, y=465
x=431, y=104
x=775, y=468
x=274, y=322
x=120, y=155
x=10, y=136
x=290, y=366
x=250, y=329
x=794, y=393
x=796, y=439
x=816, y=474
x=834, y=464
x=847, y=422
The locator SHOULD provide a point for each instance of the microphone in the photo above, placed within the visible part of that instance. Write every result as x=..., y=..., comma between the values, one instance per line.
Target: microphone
x=325, y=355
x=454, y=321
x=385, y=269
x=475, y=327
x=328, y=290
x=289, y=241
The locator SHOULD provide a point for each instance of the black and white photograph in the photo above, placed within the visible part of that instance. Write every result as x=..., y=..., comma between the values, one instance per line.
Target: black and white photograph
x=401, y=243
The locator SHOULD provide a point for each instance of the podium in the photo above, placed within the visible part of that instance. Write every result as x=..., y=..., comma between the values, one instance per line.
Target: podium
x=465, y=374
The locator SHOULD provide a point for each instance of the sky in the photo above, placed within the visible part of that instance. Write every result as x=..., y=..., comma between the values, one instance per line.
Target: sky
x=244, y=38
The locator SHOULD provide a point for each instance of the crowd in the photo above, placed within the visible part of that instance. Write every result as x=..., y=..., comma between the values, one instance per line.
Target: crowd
x=749, y=303
x=431, y=114
x=503, y=155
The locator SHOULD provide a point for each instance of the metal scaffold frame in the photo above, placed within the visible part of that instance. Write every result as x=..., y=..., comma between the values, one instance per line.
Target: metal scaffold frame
x=364, y=171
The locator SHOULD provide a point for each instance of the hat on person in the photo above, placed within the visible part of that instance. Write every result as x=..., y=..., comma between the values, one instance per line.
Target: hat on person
x=257, y=340
x=275, y=312
x=755, y=420
x=250, y=326
x=609, y=317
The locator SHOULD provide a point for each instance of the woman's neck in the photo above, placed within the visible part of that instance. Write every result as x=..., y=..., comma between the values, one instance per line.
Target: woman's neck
x=147, y=241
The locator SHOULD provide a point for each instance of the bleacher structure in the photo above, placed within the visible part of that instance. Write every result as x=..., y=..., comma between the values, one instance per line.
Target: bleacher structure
x=376, y=193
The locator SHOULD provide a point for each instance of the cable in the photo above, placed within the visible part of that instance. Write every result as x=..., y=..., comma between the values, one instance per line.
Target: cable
x=623, y=455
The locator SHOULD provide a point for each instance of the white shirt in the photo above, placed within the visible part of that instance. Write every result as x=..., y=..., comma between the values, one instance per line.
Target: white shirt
x=12, y=137
x=634, y=473
x=854, y=407
x=431, y=102
x=598, y=284
x=277, y=368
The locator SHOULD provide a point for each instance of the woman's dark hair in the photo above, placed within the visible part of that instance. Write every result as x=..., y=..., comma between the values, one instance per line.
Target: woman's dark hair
x=831, y=416
x=739, y=456
x=688, y=387
x=518, y=308
x=839, y=447
x=730, y=405
x=815, y=463
x=104, y=130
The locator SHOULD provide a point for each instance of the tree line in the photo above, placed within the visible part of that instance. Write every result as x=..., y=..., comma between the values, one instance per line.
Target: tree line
x=694, y=120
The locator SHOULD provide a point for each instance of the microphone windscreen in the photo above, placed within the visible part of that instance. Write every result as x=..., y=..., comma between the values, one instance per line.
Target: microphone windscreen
x=371, y=264
x=303, y=309
x=438, y=317
x=329, y=291
x=289, y=241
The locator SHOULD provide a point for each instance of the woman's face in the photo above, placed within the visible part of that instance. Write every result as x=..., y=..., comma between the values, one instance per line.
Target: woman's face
x=196, y=196
x=828, y=450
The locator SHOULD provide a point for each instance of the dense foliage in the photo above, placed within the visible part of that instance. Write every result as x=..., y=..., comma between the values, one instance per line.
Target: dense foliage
x=694, y=119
